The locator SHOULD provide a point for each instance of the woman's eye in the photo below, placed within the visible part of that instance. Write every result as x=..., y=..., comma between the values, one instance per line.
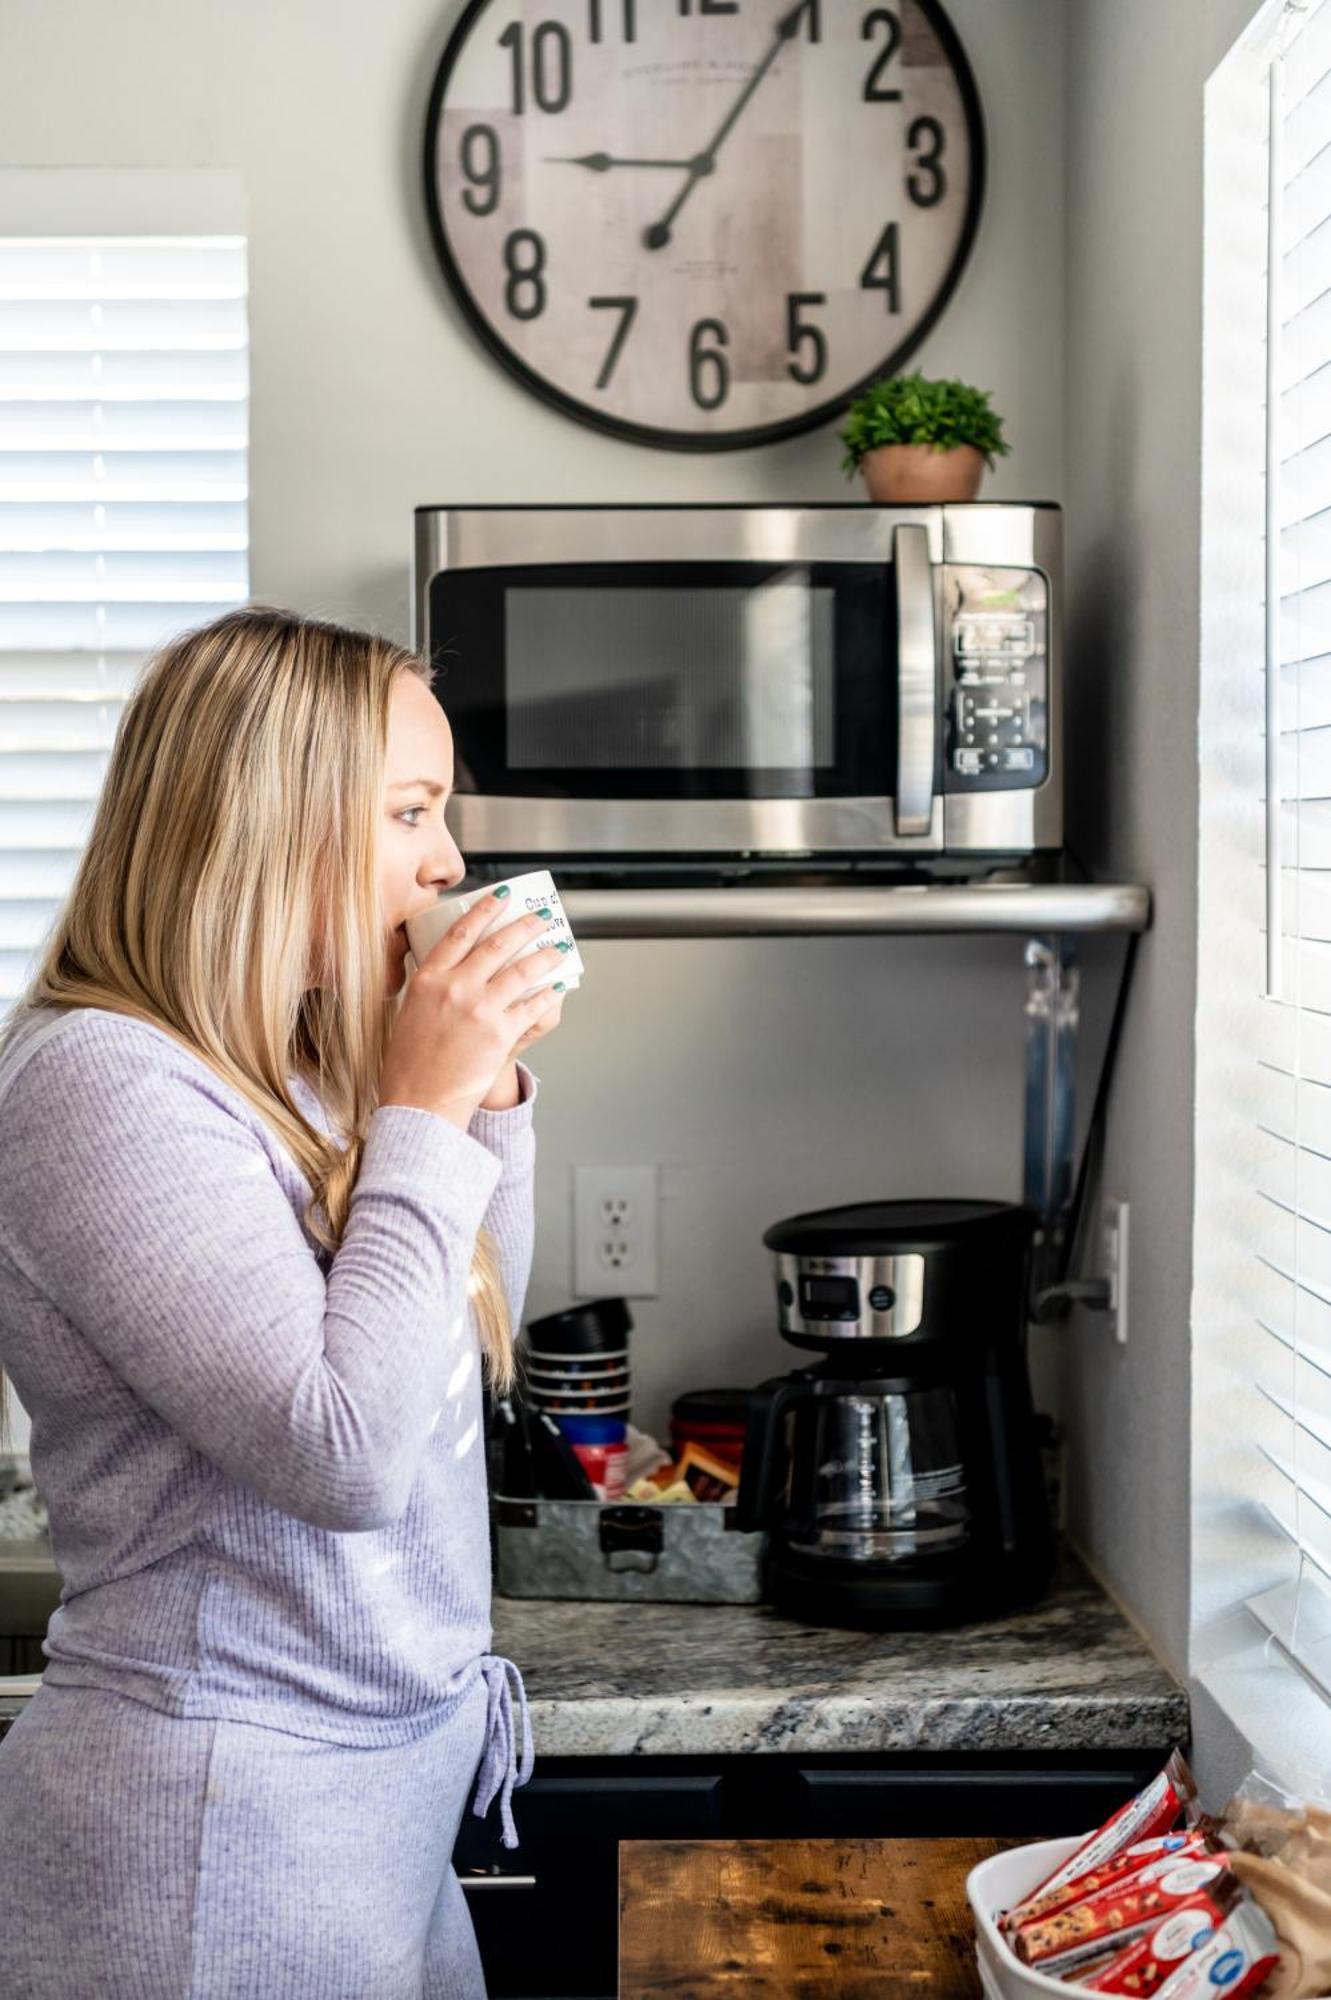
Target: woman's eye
x=411, y=809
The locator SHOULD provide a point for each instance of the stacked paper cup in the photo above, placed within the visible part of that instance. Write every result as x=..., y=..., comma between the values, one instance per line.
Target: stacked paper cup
x=577, y=1368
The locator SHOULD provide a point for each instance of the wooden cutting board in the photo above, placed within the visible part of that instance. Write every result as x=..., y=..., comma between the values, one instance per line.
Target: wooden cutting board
x=843, y=1918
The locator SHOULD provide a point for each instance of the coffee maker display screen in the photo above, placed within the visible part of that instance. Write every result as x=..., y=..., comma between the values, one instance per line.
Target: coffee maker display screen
x=829, y=1298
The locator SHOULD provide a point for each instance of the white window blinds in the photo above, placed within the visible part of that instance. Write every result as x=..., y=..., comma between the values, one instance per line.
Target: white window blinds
x=124, y=387
x=1294, y=1175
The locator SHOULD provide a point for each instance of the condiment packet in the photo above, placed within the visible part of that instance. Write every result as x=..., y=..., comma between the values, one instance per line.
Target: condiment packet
x=1077, y=1934
x=1154, y=1810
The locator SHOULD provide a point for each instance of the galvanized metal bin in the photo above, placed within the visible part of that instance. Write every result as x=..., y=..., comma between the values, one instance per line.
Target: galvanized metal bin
x=675, y=1554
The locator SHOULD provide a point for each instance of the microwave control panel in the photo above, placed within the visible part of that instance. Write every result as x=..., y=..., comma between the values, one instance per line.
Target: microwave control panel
x=996, y=623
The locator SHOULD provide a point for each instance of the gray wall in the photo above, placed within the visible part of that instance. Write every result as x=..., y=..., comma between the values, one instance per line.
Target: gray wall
x=370, y=396
x=762, y=1076
x=1135, y=77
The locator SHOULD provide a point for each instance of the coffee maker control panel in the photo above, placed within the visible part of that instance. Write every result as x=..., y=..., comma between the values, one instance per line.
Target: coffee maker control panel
x=864, y=1298
x=829, y=1298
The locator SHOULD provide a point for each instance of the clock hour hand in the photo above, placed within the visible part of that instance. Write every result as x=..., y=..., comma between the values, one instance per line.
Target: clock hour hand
x=601, y=163
x=658, y=235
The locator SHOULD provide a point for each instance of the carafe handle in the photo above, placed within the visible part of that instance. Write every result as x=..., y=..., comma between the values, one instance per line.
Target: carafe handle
x=762, y=1462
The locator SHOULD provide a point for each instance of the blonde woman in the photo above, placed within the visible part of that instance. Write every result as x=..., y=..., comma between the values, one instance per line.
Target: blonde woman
x=265, y=1217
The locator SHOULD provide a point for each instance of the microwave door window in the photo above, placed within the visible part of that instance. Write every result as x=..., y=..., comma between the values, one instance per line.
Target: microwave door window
x=784, y=697
x=673, y=681
x=670, y=680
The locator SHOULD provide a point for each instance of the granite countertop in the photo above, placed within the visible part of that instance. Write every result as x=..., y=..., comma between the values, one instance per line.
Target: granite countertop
x=612, y=1680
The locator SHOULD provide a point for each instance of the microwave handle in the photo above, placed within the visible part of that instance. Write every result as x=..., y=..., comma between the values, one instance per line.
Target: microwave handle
x=917, y=678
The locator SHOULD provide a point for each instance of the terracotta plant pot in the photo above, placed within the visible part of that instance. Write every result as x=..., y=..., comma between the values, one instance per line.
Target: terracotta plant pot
x=907, y=475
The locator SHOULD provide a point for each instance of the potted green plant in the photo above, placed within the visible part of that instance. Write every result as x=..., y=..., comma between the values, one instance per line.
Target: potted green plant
x=918, y=442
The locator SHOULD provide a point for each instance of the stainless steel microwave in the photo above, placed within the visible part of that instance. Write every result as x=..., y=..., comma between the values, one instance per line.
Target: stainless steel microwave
x=846, y=684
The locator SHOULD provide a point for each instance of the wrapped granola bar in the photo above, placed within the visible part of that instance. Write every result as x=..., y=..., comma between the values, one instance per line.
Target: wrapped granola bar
x=1156, y=1809
x=1075, y=1935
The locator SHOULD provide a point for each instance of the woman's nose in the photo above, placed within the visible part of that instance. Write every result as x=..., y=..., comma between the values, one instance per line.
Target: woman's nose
x=450, y=867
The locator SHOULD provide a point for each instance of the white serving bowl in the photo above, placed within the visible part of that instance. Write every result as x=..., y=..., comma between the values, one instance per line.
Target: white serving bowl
x=997, y=1884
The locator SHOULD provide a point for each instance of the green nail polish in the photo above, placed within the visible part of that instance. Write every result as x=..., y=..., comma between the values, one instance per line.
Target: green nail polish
x=502, y=890
x=543, y=912
x=564, y=944
x=559, y=986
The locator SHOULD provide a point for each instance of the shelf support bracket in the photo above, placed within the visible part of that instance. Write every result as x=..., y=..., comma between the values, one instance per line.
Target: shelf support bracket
x=1053, y=1014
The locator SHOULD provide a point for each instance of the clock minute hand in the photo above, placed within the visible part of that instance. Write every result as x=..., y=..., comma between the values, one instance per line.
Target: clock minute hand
x=658, y=235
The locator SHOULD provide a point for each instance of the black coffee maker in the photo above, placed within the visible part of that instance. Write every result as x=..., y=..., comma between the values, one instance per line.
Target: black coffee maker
x=900, y=1478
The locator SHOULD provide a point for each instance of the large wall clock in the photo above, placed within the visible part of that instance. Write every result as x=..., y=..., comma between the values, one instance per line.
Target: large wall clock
x=703, y=223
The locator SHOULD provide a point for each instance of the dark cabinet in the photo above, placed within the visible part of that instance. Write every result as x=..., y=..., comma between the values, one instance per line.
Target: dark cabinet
x=922, y=1801
x=547, y=1917
x=546, y=1913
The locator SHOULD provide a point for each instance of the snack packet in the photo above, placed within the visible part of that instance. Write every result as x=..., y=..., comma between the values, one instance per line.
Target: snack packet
x=1300, y=1912
x=1128, y=1862
x=1078, y=1933
x=1143, y=1966
x=647, y=1489
x=705, y=1476
x=1154, y=1810
x=1235, y=1961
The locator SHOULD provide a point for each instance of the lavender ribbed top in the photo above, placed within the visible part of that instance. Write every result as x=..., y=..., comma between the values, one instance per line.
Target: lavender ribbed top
x=264, y=1466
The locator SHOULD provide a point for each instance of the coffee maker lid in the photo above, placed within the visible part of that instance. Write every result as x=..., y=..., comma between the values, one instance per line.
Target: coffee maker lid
x=892, y=1228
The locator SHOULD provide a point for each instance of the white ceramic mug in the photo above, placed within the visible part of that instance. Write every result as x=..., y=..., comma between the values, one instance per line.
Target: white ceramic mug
x=534, y=891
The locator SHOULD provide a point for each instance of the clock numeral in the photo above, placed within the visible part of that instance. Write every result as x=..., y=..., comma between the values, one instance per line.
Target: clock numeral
x=884, y=253
x=522, y=276
x=701, y=357
x=798, y=333
x=630, y=20
x=925, y=193
x=629, y=307
x=710, y=6
x=876, y=92
x=483, y=173
x=813, y=19
x=551, y=65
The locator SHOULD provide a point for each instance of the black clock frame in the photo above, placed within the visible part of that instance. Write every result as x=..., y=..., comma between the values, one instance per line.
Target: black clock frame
x=651, y=434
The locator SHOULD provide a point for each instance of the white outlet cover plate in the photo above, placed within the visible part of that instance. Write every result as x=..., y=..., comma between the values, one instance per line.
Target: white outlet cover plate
x=1114, y=1250
x=614, y=1257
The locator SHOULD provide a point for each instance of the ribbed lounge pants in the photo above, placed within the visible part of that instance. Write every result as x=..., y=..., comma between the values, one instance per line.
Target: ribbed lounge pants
x=144, y=1857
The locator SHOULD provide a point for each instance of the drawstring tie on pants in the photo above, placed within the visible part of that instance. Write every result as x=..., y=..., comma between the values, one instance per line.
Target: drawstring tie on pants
x=502, y=1767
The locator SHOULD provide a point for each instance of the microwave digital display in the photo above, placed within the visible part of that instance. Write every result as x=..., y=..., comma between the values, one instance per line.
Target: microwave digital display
x=731, y=677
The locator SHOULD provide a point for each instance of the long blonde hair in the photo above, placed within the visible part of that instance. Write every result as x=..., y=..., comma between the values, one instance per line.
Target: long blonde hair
x=235, y=838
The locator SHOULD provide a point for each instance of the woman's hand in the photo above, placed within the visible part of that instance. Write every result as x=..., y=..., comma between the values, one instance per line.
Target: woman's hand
x=507, y=1091
x=462, y=1020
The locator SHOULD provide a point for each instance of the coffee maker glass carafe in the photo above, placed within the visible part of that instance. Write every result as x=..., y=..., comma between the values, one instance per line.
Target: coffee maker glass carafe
x=899, y=1478
x=888, y=1482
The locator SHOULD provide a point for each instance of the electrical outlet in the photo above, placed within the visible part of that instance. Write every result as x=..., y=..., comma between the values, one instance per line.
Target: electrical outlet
x=1114, y=1260
x=614, y=1232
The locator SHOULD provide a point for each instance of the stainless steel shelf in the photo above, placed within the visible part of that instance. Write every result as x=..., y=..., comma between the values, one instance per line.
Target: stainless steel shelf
x=1013, y=907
